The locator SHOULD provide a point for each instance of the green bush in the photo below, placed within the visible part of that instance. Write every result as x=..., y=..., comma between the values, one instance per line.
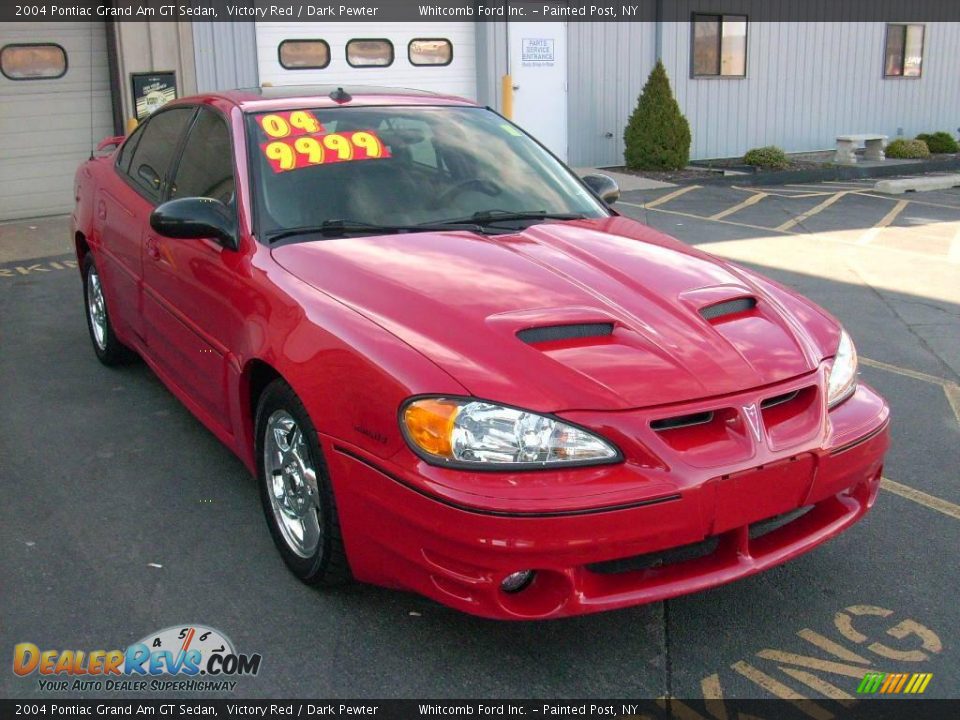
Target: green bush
x=907, y=149
x=940, y=142
x=657, y=136
x=767, y=157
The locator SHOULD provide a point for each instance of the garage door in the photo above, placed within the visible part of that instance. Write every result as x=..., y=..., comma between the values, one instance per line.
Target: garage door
x=54, y=97
x=440, y=57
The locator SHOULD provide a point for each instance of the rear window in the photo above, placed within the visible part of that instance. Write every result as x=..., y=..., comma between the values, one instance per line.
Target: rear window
x=369, y=53
x=304, y=54
x=40, y=61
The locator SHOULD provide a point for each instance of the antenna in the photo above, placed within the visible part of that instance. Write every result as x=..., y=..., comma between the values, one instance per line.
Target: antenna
x=92, y=139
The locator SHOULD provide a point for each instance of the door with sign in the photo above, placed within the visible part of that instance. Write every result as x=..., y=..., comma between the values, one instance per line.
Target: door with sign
x=538, y=66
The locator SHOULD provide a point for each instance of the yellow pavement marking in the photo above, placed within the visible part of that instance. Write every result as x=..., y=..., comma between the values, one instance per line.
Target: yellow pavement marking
x=813, y=211
x=813, y=663
x=815, y=638
x=752, y=200
x=911, y=201
x=785, y=692
x=713, y=696
x=670, y=196
x=953, y=255
x=871, y=234
x=705, y=219
x=918, y=496
x=907, y=372
x=953, y=397
x=821, y=686
x=785, y=193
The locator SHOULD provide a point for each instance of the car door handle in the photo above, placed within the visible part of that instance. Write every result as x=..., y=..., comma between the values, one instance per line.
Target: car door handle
x=153, y=248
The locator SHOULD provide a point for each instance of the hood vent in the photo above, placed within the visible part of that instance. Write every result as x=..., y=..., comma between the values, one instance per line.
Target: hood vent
x=728, y=307
x=553, y=333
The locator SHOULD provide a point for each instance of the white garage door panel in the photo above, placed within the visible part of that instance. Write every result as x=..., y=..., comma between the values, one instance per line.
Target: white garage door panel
x=457, y=78
x=46, y=126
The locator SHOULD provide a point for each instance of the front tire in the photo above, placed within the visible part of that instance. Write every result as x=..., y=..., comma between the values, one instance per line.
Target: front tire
x=295, y=489
x=109, y=350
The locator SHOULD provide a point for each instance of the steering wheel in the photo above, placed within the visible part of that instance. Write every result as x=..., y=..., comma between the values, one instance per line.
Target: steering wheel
x=484, y=186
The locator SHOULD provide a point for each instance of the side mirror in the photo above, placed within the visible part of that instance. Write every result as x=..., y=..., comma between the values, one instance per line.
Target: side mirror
x=194, y=218
x=604, y=187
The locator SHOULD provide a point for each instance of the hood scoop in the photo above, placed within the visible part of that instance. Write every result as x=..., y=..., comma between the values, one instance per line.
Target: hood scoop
x=728, y=307
x=556, y=333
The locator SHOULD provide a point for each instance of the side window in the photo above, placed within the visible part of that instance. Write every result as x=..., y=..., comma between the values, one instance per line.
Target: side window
x=206, y=166
x=126, y=152
x=158, y=142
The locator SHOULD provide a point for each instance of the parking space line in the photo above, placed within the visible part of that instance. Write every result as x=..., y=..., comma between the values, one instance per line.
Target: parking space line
x=953, y=255
x=704, y=219
x=906, y=372
x=871, y=234
x=918, y=496
x=911, y=201
x=783, y=192
x=813, y=211
x=752, y=200
x=670, y=196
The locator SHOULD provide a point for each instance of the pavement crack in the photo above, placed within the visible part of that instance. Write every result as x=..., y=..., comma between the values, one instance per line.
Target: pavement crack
x=911, y=327
x=667, y=655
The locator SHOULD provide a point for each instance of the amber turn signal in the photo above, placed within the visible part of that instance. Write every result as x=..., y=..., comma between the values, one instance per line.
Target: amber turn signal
x=429, y=424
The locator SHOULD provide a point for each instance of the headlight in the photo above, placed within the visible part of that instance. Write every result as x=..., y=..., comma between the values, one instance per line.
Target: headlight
x=843, y=372
x=472, y=433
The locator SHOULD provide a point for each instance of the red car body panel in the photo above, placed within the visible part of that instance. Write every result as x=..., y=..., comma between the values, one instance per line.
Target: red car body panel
x=358, y=326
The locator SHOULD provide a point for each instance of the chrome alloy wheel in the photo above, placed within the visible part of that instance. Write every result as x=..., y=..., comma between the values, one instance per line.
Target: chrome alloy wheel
x=292, y=483
x=96, y=309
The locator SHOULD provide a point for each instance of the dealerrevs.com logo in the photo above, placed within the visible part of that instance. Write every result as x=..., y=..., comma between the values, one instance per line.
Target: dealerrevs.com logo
x=182, y=657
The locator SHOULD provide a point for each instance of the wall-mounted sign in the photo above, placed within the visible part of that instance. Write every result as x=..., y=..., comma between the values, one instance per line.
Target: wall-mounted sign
x=152, y=90
x=536, y=50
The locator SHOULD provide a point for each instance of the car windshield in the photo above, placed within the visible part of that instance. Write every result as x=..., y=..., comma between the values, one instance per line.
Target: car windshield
x=402, y=166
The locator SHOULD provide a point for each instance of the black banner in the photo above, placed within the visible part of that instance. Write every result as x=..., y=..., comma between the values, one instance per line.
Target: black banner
x=423, y=11
x=887, y=709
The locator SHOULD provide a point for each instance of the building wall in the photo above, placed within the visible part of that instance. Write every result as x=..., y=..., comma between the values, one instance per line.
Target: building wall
x=225, y=55
x=608, y=65
x=806, y=83
x=155, y=47
x=491, y=62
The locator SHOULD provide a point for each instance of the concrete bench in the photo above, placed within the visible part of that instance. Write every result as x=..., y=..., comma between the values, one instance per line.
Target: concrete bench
x=847, y=145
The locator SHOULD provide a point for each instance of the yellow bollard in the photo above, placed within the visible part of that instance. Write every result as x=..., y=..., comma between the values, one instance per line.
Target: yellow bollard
x=132, y=125
x=506, y=96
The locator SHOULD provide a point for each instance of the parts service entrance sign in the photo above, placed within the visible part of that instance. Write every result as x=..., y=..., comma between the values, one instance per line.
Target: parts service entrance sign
x=536, y=51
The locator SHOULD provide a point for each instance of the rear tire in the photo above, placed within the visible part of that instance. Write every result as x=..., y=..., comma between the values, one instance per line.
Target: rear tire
x=295, y=490
x=109, y=350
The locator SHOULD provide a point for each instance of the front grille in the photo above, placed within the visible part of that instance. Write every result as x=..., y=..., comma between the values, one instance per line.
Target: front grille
x=764, y=527
x=670, y=556
x=779, y=399
x=681, y=421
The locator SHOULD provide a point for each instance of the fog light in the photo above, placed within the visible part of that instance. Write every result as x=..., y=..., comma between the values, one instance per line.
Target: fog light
x=515, y=582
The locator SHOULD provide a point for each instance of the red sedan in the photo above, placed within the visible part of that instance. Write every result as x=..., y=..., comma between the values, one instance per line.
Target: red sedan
x=454, y=369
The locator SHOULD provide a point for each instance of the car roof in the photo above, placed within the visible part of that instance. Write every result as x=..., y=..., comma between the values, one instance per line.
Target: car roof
x=259, y=99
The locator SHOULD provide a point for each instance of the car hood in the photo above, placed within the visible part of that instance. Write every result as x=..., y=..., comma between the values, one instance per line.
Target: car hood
x=636, y=318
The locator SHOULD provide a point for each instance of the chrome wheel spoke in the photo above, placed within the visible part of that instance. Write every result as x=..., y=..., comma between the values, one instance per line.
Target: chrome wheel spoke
x=292, y=483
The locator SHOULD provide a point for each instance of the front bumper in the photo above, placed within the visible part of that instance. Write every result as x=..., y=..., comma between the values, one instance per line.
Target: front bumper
x=691, y=523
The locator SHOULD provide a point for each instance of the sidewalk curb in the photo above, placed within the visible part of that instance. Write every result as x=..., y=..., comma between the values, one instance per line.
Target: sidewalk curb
x=835, y=172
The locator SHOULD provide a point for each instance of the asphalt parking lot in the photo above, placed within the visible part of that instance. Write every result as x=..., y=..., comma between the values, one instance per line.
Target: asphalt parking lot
x=120, y=514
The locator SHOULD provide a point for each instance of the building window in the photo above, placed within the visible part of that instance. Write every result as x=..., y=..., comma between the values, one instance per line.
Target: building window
x=430, y=51
x=304, y=54
x=41, y=61
x=719, y=46
x=369, y=53
x=904, y=54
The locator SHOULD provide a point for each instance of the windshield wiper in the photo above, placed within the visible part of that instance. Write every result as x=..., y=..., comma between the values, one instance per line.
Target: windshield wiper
x=334, y=228
x=485, y=217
